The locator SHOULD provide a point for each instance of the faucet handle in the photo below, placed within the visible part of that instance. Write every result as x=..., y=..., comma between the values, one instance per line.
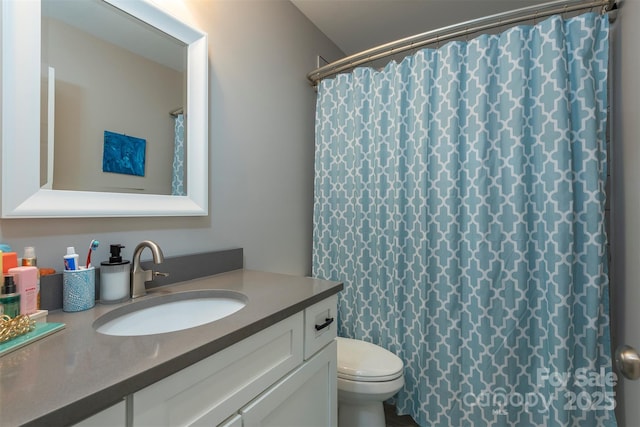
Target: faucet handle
x=157, y=273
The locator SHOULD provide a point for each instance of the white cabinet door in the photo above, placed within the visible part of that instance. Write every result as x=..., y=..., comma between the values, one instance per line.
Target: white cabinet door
x=113, y=416
x=208, y=392
x=307, y=397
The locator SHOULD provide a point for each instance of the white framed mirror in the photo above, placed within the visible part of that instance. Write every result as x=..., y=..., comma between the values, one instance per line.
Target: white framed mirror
x=26, y=193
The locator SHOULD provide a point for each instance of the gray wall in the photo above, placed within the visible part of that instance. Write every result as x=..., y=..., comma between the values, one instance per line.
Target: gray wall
x=261, y=150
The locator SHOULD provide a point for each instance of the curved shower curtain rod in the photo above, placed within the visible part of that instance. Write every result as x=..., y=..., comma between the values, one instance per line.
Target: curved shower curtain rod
x=457, y=30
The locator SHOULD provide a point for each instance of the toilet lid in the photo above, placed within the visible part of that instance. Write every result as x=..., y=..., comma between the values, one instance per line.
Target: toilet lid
x=363, y=361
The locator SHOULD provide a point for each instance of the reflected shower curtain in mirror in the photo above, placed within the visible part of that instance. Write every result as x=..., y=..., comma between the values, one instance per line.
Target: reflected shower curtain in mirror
x=459, y=195
x=177, y=182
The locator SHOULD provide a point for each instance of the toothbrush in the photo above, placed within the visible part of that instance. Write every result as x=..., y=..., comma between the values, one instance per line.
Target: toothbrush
x=92, y=247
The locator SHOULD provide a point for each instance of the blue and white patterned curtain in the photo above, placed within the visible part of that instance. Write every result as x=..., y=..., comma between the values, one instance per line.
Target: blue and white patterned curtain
x=177, y=182
x=459, y=195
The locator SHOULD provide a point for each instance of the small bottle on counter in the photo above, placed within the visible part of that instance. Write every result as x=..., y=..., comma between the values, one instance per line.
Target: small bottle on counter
x=114, y=277
x=9, y=299
x=71, y=259
x=29, y=260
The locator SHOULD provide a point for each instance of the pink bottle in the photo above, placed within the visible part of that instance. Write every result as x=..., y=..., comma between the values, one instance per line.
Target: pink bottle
x=26, y=279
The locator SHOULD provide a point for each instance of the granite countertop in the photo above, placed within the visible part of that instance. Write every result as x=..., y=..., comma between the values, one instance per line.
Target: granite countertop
x=71, y=374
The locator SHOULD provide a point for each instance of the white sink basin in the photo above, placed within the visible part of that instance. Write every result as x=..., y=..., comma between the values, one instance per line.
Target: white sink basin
x=169, y=313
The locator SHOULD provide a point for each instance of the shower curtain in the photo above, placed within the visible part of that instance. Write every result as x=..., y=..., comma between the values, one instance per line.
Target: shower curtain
x=459, y=195
x=177, y=181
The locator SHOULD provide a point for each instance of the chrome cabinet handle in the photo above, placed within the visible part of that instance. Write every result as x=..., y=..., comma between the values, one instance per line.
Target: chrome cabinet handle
x=628, y=362
x=327, y=322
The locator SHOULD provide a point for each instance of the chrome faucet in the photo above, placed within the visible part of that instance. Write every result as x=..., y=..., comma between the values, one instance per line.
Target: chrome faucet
x=140, y=276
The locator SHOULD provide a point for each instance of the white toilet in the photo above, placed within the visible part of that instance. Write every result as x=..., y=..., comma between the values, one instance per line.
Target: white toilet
x=367, y=376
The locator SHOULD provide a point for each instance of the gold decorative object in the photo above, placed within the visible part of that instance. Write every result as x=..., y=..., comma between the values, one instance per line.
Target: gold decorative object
x=11, y=328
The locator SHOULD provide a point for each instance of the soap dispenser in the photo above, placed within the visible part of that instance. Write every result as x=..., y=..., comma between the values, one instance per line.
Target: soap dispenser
x=114, y=277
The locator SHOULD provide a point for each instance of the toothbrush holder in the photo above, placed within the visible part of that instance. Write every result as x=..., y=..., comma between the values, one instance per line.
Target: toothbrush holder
x=78, y=289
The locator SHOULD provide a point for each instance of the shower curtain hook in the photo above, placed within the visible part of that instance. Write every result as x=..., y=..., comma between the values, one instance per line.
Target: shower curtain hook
x=610, y=9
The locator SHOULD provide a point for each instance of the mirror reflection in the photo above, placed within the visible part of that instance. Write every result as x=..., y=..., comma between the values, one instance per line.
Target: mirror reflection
x=112, y=102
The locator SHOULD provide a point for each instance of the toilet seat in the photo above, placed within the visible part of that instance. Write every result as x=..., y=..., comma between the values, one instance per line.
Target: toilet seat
x=366, y=362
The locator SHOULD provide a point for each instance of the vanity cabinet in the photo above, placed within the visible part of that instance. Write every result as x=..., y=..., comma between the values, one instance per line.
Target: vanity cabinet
x=284, y=374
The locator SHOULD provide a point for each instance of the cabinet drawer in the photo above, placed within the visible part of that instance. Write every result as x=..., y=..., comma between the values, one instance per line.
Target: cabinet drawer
x=320, y=325
x=208, y=392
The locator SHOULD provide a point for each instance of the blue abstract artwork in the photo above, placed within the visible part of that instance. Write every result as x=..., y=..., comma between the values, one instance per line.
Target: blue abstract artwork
x=123, y=154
